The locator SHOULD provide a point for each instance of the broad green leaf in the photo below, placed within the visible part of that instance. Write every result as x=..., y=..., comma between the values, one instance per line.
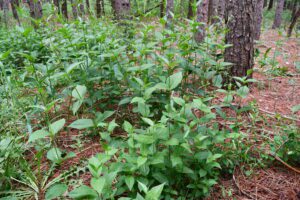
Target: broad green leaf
x=148, y=121
x=54, y=155
x=202, y=173
x=56, y=191
x=155, y=192
x=57, y=126
x=82, y=124
x=243, y=91
x=295, y=108
x=144, y=139
x=172, y=142
x=83, y=192
x=39, y=134
x=176, y=160
x=72, y=66
x=174, y=80
x=129, y=180
x=142, y=187
x=79, y=92
x=201, y=106
x=141, y=160
x=98, y=184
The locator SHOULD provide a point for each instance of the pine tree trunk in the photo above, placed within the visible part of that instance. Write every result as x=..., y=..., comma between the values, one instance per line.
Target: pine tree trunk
x=102, y=7
x=221, y=9
x=64, y=8
x=121, y=8
x=212, y=11
x=169, y=12
x=202, y=17
x=279, y=10
x=271, y=2
x=190, y=14
x=5, y=11
x=38, y=9
x=294, y=21
x=81, y=8
x=14, y=10
x=74, y=9
x=32, y=9
x=240, y=36
x=259, y=6
x=162, y=8
x=87, y=3
x=56, y=4
x=265, y=3
x=98, y=8
x=1, y=4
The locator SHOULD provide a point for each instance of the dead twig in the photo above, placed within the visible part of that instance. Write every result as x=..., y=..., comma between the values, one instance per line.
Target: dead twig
x=284, y=163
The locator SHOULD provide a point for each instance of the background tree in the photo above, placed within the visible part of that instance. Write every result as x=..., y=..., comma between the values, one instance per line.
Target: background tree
x=240, y=35
x=259, y=7
x=64, y=8
x=169, y=12
x=56, y=4
x=278, y=13
x=221, y=8
x=74, y=9
x=202, y=17
x=212, y=5
x=295, y=17
x=13, y=4
x=162, y=8
x=190, y=14
x=271, y=2
x=121, y=8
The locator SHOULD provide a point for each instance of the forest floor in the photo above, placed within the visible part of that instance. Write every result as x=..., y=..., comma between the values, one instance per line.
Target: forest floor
x=274, y=96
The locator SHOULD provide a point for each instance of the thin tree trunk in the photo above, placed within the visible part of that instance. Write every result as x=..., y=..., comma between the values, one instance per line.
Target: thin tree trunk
x=74, y=9
x=240, y=35
x=221, y=9
x=279, y=10
x=162, y=8
x=212, y=11
x=202, y=18
x=64, y=8
x=14, y=10
x=31, y=9
x=56, y=4
x=81, y=8
x=294, y=21
x=5, y=11
x=121, y=8
x=1, y=4
x=38, y=9
x=98, y=8
x=102, y=7
x=259, y=6
x=87, y=3
x=190, y=14
x=265, y=3
x=271, y=2
x=169, y=12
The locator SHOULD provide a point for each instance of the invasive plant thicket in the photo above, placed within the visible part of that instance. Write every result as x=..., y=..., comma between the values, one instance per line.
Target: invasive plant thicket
x=157, y=101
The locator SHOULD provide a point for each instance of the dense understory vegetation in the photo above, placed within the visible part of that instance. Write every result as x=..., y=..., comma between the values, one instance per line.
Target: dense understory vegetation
x=168, y=116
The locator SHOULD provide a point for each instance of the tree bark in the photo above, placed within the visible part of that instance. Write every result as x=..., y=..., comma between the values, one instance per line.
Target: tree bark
x=64, y=9
x=202, y=17
x=240, y=35
x=5, y=11
x=56, y=4
x=87, y=3
x=271, y=3
x=259, y=6
x=38, y=9
x=14, y=11
x=162, y=8
x=121, y=8
x=98, y=8
x=265, y=3
x=169, y=12
x=221, y=9
x=74, y=9
x=1, y=4
x=32, y=9
x=81, y=8
x=190, y=14
x=279, y=10
x=294, y=21
x=212, y=11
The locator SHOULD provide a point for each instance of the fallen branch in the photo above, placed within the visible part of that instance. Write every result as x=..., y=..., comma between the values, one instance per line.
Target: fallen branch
x=284, y=163
x=237, y=185
x=283, y=116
